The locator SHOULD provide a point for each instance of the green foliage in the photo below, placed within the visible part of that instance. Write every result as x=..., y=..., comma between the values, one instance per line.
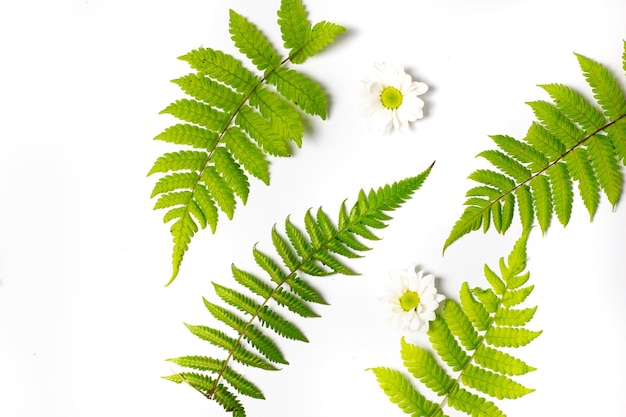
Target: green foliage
x=469, y=338
x=574, y=141
x=234, y=119
x=315, y=251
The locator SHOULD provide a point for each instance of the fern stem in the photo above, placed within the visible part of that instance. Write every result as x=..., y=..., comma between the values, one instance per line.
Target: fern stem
x=550, y=165
x=291, y=274
x=321, y=248
x=227, y=125
x=457, y=381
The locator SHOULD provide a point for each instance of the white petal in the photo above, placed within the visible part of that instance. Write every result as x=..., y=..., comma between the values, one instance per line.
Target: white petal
x=417, y=88
x=380, y=120
x=411, y=108
x=405, y=84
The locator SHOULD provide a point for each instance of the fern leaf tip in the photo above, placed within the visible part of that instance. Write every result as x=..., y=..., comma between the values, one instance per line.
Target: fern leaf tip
x=172, y=278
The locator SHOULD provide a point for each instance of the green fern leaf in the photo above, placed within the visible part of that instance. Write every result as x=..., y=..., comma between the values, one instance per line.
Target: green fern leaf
x=606, y=89
x=574, y=140
x=475, y=311
x=205, y=385
x=262, y=132
x=487, y=298
x=483, y=191
x=617, y=135
x=561, y=186
x=579, y=166
x=232, y=173
x=294, y=25
x=304, y=92
x=203, y=198
x=177, y=161
x=522, y=152
x=176, y=181
x=506, y=164
x=298, y=240
x=203, y=363
x=545, y=142
x=525, y=206
x=247, y=153
x=492, y=384
x=606, y=167
x=515, y=297
x=329, y=230
x=511, y=317
x=302, y=289
x=446, y=346
x=251, y=42
x=196, y=112
x=264, y=344
x=323, y=34
x=210, y=92
x=468, y=338
x=283, y=117
x=494, y=280
x=460, y=325
x=183, y=230
x=500, y=362
x=235, y=118
x=492, y=178
x=564, y=130
x=471, y=220
x=228, y=401
x=272, y=268
x=575, y=107
x=508, y=210
x=423, y=366
x=265, y=315
x=190, y=135
x=294, y=302
x=510, y=337
x=542, y=200
x=299, y=36
x=401, y=392
x=239, y=352
x=219, y=190
x=304, y=253
x=472, y=404
x=289, y=258
x=333, y=263
x=223, y=68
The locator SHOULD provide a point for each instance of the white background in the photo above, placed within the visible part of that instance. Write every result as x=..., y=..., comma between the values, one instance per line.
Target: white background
x=85, y=319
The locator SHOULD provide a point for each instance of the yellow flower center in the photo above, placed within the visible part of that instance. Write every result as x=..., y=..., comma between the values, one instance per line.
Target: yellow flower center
x=391, y=98
x=409, y=300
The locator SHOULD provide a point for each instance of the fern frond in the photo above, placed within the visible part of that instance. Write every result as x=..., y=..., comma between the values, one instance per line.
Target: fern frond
x=263, y=314
x=574, y=140
x=299, y=35
x=234, y=118
x=468, y=338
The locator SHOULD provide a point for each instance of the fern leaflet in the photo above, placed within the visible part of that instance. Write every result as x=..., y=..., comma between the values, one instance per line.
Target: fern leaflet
x=315, y=251
x=574, y=141
x=233, y=119
x=469, y=337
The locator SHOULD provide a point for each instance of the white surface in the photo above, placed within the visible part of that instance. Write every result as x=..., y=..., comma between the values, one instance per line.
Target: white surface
x=85, y=322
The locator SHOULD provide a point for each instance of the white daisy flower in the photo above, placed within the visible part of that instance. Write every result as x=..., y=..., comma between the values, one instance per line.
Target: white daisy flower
x=392, y=100
x=412, y=299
